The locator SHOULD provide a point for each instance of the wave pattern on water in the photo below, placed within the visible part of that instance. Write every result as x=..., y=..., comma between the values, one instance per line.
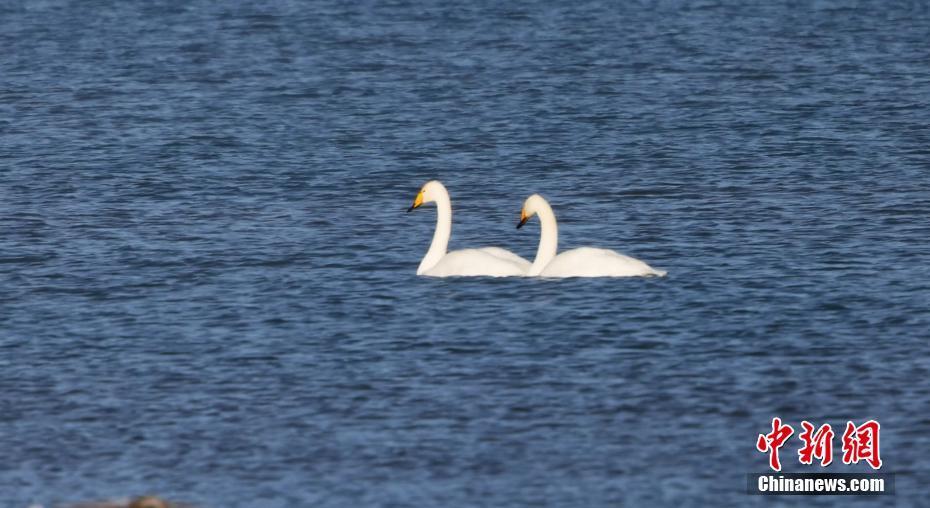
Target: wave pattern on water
x=208, y=278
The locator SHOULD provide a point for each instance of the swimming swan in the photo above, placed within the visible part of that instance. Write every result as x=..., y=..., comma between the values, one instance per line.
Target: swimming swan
x=580, y=262
x=490, y=261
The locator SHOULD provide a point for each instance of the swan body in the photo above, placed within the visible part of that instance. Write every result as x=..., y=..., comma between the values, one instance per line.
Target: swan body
x=593, y=262
x=580, y=262
x=438, y=262
x=476, y=262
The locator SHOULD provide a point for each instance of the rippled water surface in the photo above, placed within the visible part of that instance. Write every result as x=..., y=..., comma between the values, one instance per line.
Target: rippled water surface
x=208, y=278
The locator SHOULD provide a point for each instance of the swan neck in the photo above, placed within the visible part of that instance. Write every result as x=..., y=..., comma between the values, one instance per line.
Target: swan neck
x=440, y=243
x=548, y=240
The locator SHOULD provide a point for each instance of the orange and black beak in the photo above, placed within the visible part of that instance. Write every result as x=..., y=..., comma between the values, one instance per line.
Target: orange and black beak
x=523, y=219
x=416, y=202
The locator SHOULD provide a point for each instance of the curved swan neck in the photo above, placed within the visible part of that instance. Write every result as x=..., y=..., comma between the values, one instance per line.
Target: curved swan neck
x=440, y=243
x=548, y=239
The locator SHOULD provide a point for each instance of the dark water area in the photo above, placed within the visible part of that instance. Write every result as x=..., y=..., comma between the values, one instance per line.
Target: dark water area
x=208, y=278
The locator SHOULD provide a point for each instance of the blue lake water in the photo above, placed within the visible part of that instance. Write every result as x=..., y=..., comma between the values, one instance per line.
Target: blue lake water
x=208, y=278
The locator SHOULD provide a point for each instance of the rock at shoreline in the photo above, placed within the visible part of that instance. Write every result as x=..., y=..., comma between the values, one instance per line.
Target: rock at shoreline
x=138, y=502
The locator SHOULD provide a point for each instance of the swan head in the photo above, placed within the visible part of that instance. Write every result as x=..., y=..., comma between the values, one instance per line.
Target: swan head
x=531, y=207
x=430, y=192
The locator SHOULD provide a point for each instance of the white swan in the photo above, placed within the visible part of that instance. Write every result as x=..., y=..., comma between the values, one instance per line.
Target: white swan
x=490, y=261
x=580, y=262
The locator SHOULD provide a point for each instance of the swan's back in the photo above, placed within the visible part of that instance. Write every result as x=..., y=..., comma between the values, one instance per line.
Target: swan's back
x=488, y=261
x=506, y=255
x=594, y=262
